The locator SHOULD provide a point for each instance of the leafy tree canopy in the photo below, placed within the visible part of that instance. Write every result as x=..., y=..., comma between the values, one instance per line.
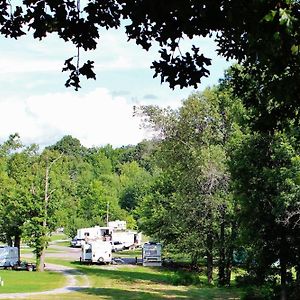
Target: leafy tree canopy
x=264, y=32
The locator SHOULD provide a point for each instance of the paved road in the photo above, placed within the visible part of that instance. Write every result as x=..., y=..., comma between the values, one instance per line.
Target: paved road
x=70, y=287
x=70, y=273
x=68, y=253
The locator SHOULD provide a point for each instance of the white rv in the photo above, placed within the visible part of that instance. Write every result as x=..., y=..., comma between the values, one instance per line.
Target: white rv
x=116, y=233
x=129, y=239
x=96, y=252
x=151, y=254
x=92, y=233
x=8, y=256
x=117, y=225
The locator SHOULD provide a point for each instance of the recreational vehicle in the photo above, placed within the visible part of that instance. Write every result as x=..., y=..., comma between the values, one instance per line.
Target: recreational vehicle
x=151, y=254
x=96, y=252
x=8, y=256
x=92, y=233
x=117, y=225
x=129, y=239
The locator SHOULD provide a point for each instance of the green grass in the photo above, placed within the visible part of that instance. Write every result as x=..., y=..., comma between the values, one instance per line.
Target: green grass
x=24, y=281
x=137, y=282
x=63, y=243
x=58, y=236
x=26, y=250
x=128, y=253
x=117, y=282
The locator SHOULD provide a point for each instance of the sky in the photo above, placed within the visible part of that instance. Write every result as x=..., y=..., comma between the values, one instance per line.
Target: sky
x=35, y=103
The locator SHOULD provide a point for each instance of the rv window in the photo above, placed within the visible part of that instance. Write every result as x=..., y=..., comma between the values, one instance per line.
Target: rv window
x=87, y=234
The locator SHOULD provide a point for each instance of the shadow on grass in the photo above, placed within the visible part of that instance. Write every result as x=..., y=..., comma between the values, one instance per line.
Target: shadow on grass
x=193, y=294
x=206, y=293
x=125, y=275
x=118, y=294
x=150, y=288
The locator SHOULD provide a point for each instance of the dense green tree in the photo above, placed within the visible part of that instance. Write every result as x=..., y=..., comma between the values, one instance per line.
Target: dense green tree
x=16, y=189
x=135, y=183
x=191, y=199
x=46, y=185
x=266, y=172
x=70, y=146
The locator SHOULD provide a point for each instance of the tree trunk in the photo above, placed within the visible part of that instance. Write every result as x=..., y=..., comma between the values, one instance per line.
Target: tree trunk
x=194, y=260
x=17, y=243
x=41, y=261
x=222, y=278
x=283, y=268
x=9, y=241
x=283, y=275
x=229, y=255
x=209, y=255
x=40, y=257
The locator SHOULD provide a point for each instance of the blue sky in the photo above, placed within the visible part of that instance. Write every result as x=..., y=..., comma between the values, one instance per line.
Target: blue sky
x=35, y=103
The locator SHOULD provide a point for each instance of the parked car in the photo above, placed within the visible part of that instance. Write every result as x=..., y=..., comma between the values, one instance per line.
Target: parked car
x=77, y=243
x=117, y=246
x=24, y=266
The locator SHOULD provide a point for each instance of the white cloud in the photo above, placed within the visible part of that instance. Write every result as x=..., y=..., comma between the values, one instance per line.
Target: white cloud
x=95, y=119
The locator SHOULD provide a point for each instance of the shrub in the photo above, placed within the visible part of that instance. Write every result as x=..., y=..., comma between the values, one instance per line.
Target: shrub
x=265, y=292
x=185, y=278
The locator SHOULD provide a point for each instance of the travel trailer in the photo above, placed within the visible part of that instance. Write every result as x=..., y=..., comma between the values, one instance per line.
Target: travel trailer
x=117, y=225
x=151, y=254
x=89, y=234
x=116, y=233
x=130, y=239
x=8, y=256
x=94, y=232
x=96, y=252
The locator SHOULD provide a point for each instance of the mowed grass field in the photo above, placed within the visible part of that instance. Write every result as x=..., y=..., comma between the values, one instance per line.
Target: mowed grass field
x=142, y=283
x=114, y=282
x=24, y=281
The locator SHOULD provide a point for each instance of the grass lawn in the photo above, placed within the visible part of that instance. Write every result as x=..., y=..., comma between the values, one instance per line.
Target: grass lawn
x=58, y=237
x=128, y=253
x=62, y=243
x=24, y=281
x=116, y=282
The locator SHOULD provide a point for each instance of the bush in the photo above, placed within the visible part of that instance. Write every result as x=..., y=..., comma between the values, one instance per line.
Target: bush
x=185, y=278
x=245, y=280
x=265, y=292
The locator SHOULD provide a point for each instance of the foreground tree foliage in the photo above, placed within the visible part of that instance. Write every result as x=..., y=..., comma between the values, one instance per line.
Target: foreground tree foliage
x=266, y=172
x=264, y=33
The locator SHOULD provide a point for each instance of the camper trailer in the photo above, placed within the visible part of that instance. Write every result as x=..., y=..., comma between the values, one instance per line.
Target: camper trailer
x=96, y=252
x=8, y=256
x=129, y=239
x=90, y=234
x=151, y=254
x=116, y=233
x=117, y=225
x=94, y=232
